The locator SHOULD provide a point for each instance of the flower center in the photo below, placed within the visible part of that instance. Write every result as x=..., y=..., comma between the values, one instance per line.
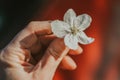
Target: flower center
x=74, y=30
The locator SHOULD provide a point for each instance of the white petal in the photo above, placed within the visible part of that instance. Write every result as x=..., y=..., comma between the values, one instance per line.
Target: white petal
x=83, y=39
x=82, y=21
x=71, y=41
x=69, y=16
x=60, y=28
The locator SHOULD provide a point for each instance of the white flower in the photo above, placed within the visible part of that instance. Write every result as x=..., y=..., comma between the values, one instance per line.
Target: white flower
x=71, y=29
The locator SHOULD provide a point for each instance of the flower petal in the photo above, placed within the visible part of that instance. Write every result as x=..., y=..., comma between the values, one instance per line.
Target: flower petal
x=69, y=16
x=71, y=41
x=83, y=39
x=82, y=21
x=60, y=28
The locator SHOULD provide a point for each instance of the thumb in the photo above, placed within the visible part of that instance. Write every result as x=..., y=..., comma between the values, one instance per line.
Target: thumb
x=55, y=53
x=52, y=58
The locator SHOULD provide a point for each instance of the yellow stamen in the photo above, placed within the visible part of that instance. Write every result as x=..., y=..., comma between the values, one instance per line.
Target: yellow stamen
x=74, y=30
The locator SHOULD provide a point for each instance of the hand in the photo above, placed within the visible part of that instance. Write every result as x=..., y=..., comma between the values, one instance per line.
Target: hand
x=35, y=54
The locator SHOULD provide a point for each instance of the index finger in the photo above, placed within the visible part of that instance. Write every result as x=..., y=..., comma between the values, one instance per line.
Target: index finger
x=29, y=35
x=39, y=27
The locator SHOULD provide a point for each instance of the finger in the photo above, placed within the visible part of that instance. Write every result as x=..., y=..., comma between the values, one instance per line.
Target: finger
x=28, y=36
x=52, y=58
x=39, y=27
x=79, y=50
x=68, y=63
x=46, y=39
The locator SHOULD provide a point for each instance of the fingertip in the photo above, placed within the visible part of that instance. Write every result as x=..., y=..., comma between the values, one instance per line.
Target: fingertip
x=79, y=50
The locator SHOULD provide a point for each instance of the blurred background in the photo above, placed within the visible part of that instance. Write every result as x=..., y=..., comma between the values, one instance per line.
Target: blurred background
x=99, y=60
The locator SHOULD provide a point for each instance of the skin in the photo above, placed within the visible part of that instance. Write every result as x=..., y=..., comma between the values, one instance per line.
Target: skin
x=32, y=53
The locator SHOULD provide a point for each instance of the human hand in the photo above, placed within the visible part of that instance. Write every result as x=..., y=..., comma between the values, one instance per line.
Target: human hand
x=22, y=60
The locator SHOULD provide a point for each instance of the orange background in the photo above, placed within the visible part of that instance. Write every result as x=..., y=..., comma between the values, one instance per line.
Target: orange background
x=90, y=63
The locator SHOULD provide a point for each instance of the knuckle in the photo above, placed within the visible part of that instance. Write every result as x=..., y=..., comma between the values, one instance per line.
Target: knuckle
x=54, y=52
x=57, y=48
